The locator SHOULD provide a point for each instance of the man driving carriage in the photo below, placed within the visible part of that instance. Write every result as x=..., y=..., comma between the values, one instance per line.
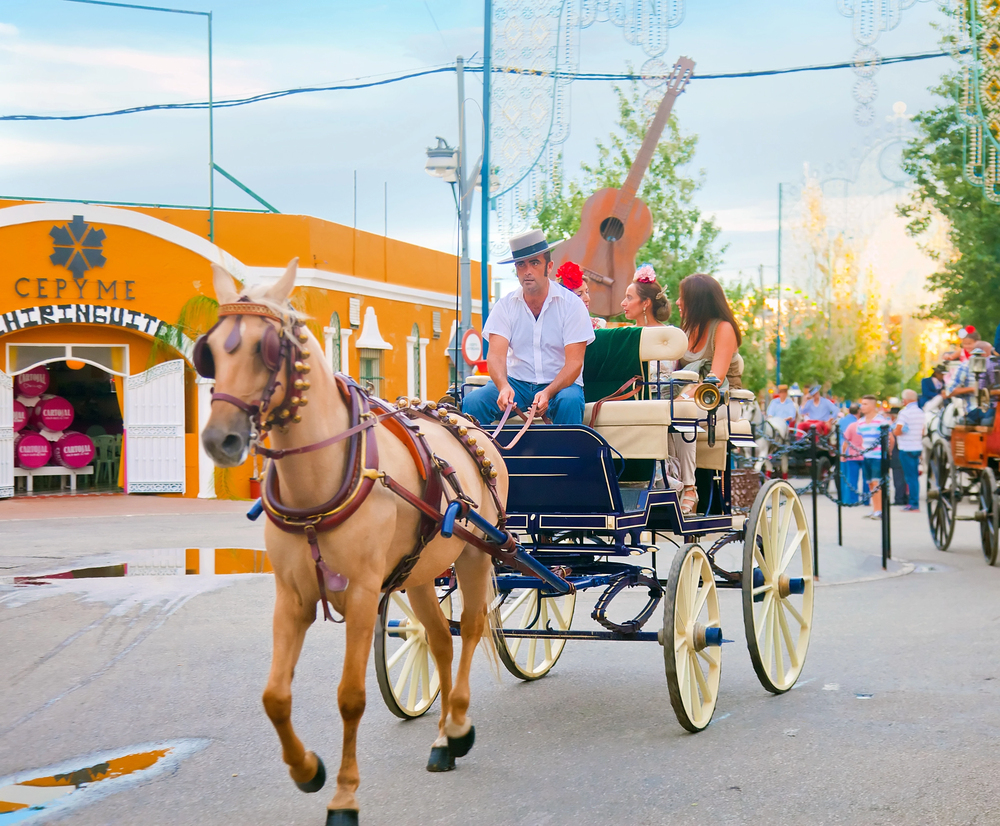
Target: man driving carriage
x=538, y=335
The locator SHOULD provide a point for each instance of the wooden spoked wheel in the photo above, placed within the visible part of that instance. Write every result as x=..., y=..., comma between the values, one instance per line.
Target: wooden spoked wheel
x=777, y=586
x=531, y=658
x=692, y=638
x=406, y=671
x=989, y=514
x=941, y=498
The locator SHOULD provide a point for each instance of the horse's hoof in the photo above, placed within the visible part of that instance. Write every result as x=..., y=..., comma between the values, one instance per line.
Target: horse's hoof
x=342, y=817
x=441, y=760
x=318, y=780
x=461, y=746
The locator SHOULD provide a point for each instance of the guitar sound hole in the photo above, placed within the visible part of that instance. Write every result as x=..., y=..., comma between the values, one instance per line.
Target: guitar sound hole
x=612, y=229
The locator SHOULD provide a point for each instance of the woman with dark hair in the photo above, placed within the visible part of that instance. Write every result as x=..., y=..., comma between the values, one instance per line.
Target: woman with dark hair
x=645, y=302
x=713, y=351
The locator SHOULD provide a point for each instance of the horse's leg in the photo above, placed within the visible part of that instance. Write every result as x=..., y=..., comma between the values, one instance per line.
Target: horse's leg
x=360, y=612
x=474, y=570
x=424, y=602
x=291, y=621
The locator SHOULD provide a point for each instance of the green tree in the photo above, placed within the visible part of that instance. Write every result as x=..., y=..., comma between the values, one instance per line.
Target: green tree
x=683, y=241
x=967, y=282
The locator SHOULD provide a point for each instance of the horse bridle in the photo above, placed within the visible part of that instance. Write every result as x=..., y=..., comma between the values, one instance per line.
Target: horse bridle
x=278, y=350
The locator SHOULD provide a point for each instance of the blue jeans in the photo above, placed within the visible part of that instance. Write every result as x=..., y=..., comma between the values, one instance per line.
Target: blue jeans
x=910, y=460
x=850, y=474
x=566, y=407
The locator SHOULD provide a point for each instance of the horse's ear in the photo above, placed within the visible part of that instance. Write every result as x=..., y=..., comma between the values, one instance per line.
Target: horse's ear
x=282, y=288
x=225, y=287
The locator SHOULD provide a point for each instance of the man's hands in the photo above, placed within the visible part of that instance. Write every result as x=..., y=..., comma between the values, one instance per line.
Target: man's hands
x=541, y=401
x=506, y=397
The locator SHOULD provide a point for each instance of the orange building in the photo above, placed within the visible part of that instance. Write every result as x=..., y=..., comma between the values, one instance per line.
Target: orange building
x=110, y=300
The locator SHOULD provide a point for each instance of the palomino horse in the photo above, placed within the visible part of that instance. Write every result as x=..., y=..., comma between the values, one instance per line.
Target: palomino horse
x=334, y=534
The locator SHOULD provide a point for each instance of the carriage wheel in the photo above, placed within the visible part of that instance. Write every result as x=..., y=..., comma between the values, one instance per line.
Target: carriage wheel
x=692, y=638
x=989, y=506
x=406, y=671
x=531, y=658
x=777, y=586
x=941, y=498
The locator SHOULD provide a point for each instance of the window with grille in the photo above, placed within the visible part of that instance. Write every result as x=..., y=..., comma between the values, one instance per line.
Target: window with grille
x=333, y=343
x=371, y=369
x=415, y=355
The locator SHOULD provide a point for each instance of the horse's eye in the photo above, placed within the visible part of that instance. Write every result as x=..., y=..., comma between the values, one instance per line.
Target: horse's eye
x=256, y=348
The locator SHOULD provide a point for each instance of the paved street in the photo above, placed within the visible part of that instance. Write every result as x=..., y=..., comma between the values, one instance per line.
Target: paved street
x=894, y=720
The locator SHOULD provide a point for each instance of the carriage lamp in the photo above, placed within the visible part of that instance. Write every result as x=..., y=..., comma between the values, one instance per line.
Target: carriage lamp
x=442, y=162
x=707, y=395
x=977, y=362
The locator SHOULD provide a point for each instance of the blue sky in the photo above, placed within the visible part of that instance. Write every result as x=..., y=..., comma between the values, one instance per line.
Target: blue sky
x=301, y=153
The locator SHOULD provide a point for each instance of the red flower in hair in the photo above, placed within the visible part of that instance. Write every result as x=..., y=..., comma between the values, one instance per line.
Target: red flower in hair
x=570, y=276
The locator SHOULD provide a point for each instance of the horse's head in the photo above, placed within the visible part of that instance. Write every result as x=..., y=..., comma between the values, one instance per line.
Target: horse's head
x=245, y=352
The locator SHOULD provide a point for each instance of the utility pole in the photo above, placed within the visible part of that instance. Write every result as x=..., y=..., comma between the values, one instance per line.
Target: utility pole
x=777, y=334
x=485, y=230
x=466, y=189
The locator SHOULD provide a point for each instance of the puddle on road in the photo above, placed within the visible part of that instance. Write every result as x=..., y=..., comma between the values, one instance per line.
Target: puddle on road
x=83, y=780
x=167, y=562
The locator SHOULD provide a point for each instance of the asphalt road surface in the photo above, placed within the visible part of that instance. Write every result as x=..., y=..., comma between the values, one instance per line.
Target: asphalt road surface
x=894, y=720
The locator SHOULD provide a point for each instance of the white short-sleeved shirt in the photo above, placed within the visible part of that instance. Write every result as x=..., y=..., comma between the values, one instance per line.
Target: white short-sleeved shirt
x=537, y=349
x=911, y=418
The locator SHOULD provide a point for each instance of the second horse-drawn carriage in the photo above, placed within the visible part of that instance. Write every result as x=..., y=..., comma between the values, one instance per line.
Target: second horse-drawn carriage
x=963, y=463
x=584, y=500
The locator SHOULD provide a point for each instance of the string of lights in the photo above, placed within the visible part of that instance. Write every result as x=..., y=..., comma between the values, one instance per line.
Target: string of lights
x=398, y=78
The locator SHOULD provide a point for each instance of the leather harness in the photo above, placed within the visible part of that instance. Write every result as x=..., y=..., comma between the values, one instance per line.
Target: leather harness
x=365, y=411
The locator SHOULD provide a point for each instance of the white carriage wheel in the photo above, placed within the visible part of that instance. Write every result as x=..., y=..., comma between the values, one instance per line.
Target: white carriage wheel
x=777, y=586
x=405, y=668
x=692, y=638
x=941, y=495
x=989, y=515
x=531, y=658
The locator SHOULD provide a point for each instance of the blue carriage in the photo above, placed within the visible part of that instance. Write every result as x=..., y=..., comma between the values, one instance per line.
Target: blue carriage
x=590, y=505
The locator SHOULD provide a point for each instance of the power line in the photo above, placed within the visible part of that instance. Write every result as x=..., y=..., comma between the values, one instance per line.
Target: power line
x=362, y=83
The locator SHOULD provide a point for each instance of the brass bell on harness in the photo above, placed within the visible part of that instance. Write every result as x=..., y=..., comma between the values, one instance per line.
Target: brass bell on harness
x=301, y=384
x=480, y=451
x=463, y=430
x=453, y=420
x=296, y=418
x=471, y=440
x=302, y=367
x=303, y=401
x=432, y=405
x=303, y=336
x=305, y=353
x=487, y=464
x=493, y=473
x=294, y=401
x=284, y=414
x=415, y=401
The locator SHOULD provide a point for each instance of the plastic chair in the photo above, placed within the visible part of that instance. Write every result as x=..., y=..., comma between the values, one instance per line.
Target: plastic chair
x=96, y=430
x=105, y=446
x=118, y=456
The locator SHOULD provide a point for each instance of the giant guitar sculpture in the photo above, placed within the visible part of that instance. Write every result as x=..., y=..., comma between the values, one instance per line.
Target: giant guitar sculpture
x=614, y=223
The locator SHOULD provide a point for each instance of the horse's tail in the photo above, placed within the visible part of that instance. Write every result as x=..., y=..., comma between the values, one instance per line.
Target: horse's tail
x=488, y=642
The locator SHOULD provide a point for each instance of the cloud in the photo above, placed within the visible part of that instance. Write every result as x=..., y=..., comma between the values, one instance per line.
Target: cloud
x=22, y=154
x=760, y=218
x=7, y=30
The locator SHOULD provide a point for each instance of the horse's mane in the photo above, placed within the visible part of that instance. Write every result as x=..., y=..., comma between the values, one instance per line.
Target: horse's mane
x=291, y=316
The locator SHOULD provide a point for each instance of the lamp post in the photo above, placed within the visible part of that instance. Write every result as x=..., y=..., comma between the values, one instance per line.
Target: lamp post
x=777, y=329
x=449, y=164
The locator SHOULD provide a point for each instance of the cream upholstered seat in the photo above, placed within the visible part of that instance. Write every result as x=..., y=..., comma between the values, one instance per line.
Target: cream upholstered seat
x=639, y=428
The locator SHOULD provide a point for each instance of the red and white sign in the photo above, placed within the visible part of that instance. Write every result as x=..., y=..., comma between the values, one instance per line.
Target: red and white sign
x=472, y=347
x=34, y=382
x=74, y=450
x=20, y=416
x=53, y=414
x=31, y=450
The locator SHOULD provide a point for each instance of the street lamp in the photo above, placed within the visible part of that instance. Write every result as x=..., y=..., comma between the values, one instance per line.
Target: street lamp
x=449, y=164
x=442, y=162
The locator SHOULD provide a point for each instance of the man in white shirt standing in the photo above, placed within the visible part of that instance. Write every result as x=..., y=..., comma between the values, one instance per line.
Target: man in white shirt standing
x=909, y=432
x=538, y=335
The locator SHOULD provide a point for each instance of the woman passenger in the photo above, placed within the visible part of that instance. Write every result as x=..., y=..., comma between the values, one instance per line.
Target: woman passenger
x=713, y=351
x=645, y=302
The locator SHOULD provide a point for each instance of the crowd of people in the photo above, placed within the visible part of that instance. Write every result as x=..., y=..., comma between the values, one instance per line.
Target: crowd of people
x=538, y=336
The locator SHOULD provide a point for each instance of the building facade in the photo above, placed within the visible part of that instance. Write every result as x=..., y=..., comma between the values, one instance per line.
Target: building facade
x=108, y=301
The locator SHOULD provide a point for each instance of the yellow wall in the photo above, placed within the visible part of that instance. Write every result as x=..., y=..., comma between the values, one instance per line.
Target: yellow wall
x=154, y=276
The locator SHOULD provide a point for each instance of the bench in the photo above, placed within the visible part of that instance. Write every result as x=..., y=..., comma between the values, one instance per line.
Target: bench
x=29, y=474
